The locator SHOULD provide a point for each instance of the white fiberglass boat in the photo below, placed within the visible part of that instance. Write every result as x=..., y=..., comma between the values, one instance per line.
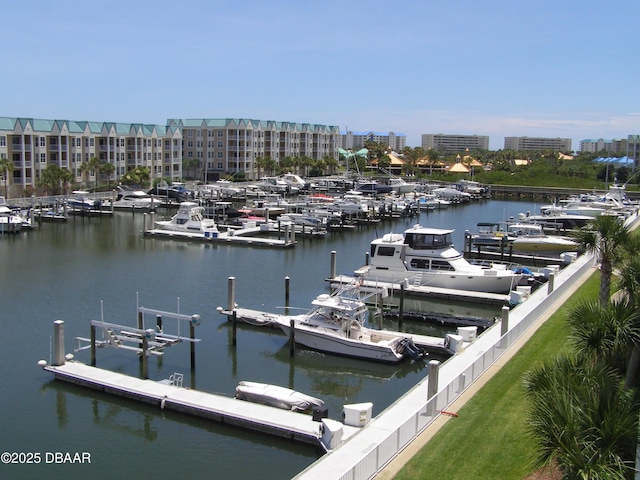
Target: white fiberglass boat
x=530, y=237
x=426, y=257
x=10, y=222
x=190, y=219
x=135, y=199
x=276, y=396
x=336, y=325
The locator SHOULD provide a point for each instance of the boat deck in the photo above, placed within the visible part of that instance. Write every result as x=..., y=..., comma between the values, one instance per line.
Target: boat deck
x=228, y=410
x=460, y=295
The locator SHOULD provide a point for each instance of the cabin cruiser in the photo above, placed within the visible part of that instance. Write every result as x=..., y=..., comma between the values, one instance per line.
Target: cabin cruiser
x=530, y=237
x=276, y=396
x=81, y=201
x=336, y=324
x=425, y=257
x=190, y=219
x=134, y=199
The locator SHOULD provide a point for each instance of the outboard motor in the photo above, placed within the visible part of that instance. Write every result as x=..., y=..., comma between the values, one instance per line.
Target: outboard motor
x=408, y=348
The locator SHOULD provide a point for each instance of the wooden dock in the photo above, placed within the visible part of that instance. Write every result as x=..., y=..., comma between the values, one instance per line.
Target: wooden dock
x=228, y=410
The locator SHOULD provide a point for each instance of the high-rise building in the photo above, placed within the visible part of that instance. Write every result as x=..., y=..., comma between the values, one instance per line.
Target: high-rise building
x=350, y=140
x=537, y=143
x=599, y=145
x=454, y=143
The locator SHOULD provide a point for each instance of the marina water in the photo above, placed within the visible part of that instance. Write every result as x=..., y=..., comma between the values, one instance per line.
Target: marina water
x=103, y=268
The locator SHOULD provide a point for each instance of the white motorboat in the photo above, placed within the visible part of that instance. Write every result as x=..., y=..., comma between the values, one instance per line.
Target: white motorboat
x=530, y=237
x=190, y=219
x=81, y=200
x=336, y=324
x=275, y=396
x=10, y=222
x=426, y=257
x=135, y=199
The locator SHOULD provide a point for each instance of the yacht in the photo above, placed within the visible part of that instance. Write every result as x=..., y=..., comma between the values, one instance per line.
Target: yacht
x=426, y=257
x=81, y=201
x=336, y=324
x=135, y=199
x=190, y=219
x=530, y=237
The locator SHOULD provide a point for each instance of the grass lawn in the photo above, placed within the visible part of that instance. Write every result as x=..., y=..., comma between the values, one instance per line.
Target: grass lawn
x=489, y=439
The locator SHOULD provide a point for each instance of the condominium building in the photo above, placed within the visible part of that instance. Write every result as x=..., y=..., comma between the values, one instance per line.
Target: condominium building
x=537, y=143
x=600, y=145
x=230, y=145
x=454, y=143
x=633, y=149
x=350, y=140
x=33, y=144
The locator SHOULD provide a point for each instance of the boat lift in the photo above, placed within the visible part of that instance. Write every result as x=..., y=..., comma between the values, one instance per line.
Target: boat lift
x=143, y=341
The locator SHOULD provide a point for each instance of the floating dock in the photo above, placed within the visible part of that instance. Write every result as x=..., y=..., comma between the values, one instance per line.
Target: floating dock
x=167, y=396
x=425, y=291
x=249, y=236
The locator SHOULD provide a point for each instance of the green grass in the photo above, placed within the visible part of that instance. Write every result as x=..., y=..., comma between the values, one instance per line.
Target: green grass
x=489, y=438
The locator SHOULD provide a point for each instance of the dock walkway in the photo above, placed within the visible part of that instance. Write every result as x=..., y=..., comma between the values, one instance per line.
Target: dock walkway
x=228, y=410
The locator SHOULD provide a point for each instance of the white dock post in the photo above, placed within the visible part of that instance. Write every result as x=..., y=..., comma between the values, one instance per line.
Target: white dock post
x=432, y=385
x=550, y=283
x=332, y=273
x=504, y=324
x=58, y=342
x=144, y=222
x=231, y=294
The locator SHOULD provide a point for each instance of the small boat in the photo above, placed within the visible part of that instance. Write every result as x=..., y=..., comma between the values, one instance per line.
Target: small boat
x=134, y=200
x=81, y=201
x=275, y=396
x=336, y=324
x=426, y=257
x=10, y=222
x=190, y=219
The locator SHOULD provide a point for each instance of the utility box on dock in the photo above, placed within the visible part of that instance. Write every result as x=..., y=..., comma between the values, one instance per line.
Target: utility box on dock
x=331, y=433
x=453, y=342
x=468, y=334
x=357, y=414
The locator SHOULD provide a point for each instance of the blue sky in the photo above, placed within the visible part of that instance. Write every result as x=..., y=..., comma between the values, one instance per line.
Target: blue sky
x=560, y=68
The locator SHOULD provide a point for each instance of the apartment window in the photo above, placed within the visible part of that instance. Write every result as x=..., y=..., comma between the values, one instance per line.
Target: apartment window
x=92, y=142
x=219, y=154
x=3, y=141
x=220, y=133
x=43, y=141
x=189, y=133
x=189, y=154
x=219, y=165
x=220, y=144
x=190, y=144
x=43, y=158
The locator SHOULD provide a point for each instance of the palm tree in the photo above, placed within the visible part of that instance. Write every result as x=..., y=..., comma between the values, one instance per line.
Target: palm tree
x=6, y=167
x=582, y=419
x=95, y=165
x=108, y=169
x=605, y=235
x=604, y=333
x=628, y=293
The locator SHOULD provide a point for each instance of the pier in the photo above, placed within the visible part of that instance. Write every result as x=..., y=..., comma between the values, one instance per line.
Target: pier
x=168, y=396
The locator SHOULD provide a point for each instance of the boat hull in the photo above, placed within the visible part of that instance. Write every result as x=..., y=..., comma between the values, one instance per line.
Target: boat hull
x=321, y=340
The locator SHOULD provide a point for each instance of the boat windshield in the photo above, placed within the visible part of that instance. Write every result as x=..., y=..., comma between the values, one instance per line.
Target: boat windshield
x=428, y=241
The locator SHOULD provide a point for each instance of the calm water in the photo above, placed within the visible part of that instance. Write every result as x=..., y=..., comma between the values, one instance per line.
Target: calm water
x=92, y=268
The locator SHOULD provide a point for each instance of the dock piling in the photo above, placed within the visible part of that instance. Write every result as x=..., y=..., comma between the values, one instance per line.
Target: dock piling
x=287, y=282
x=58, y=342
x=292, y=337
x=504, y=323
x=234, y=327
x=333, y=269
x=231, y=294
x=432, y=385
x=550, y=283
